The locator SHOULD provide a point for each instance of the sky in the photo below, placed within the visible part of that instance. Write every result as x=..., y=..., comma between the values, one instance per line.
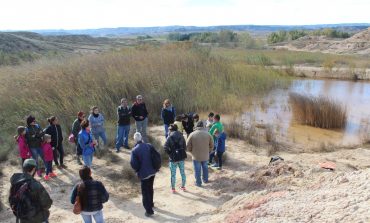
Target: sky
x=89, y=14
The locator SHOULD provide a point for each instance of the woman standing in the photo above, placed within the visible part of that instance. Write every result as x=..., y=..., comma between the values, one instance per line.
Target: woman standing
x=76, y=128
x=92, y=195
x=168, y=115
x=86, y=143
x=55, y=131
x=34, y=136
x=97, y=124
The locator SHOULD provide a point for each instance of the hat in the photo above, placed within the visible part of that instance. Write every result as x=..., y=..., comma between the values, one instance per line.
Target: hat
x=29, y=163
x=30, y=119
x=80, y=113
x=200, y=125
x=137, y=137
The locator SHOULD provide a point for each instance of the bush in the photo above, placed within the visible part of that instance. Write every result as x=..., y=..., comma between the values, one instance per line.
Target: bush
x=235, y=130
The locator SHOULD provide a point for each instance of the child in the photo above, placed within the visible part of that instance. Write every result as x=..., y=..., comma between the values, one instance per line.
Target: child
x=210, y=120
x=20, y=138
x=178, y=122
x=219, y=149
x=48, y=157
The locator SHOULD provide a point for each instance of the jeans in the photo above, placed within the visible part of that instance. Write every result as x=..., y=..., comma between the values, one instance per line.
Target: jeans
x=173, y=168
x=88, y=159
x=219, y=157
x=200, y=166
x=102, y=135
x=98, y=217
x=141, y=127
x=58, y=150
x=49, y=167
x=122, y=136
x=166, y=130
x=36, y=153
x=148, y=193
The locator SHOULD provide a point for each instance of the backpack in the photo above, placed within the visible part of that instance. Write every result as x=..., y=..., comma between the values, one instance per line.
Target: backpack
x=179, y=153
x=21, y=202
x=155, y=157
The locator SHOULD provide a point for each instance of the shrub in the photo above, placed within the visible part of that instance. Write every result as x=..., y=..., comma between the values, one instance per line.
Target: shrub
x=235, y=130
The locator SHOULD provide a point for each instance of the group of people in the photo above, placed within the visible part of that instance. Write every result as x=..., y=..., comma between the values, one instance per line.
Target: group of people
x=204, y=140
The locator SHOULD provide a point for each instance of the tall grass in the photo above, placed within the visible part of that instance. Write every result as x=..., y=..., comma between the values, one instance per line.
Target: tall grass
x=320, y=112
x=189, y=76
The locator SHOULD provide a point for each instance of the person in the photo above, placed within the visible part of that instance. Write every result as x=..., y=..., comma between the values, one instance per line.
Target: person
x=140, y=115
x=96, y=120
x=195, y=119
x=141, y=162
x=76, y=128
x=219, y=150
x=92, y=194
x=178, y=123
x=188, y=124
x=216, y=125
x=34, y=136
x=168, y=114
x=123, y=128
x=47, y=150
x=175, y=147
x=210, y=120
x=39, y=199
x=20, y=138
x=86, y=143
x=200, y=144
x=55, y=131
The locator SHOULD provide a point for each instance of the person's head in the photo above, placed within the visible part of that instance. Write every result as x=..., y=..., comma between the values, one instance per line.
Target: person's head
x=85, y=173
x=217, y=118
x=166, y=103
x=196, y=118
x=21, y=130
x=200, y=125
x=211, y=115
x=81, y=115
x=53, y=120
x=47, y=138
x=85, y=124
x=173, y=128
x=185, y=118
x=139, y=99
x=124, y=102
x=31, y=120
x=137, y=137
x=29, y=166
x=94, y=110
x=178, y=118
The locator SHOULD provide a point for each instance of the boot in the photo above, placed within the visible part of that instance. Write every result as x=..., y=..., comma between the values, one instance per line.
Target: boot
x=79, y=161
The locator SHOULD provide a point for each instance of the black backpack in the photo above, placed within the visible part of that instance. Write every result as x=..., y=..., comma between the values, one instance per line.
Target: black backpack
x=179, y=154
x=156, y=158
x=21, y=202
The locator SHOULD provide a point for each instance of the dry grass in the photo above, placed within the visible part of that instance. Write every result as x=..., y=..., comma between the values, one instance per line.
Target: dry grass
x=235, y=130
x=320, y=112
x=160, y=148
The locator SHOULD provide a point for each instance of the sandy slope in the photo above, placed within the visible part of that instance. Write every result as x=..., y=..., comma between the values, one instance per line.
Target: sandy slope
x=246, y=190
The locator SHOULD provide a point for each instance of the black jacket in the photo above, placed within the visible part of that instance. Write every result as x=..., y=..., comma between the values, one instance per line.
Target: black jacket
x=189, y=125
x=139, y=110
x=124, y=115
x=56, y=135
x=34, y=136
x=175, y=147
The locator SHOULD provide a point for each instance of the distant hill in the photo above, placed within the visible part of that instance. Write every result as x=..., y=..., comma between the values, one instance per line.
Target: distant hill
x=130, y=31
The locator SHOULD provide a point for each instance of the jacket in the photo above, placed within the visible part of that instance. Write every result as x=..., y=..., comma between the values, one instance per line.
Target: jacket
x=218, y=126
x=56, y=135
x=180, y=128
x=175, y=147
x=139, y=110
x=39, y=195
x=141, y=161
x=34, y=136
x=24, y=151
x=188, y=126
x=85, y=141
x=221, y=143
x=168, y=115
x=124, y=115
x=76, y=127
x=200, y=144
x=96, y=123
x=92, y=197
x=47, y=151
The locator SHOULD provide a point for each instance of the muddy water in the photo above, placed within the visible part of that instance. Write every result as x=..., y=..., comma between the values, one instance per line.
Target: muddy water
x=274, y=109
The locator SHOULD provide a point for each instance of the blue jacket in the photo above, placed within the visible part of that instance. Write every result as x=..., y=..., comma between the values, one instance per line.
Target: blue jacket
x=168, y=115
x=141, y=161
x=221, y=141
x=85, y=141
x=96, y=123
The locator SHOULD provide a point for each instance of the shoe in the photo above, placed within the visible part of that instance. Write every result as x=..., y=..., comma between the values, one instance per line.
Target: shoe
x=183, y=189
x=117, y=151
x=148, y=214
x=63, y=166
x=198, y=185
x=46, y=177
x=173, y=190
x=79, y=162
x=52, y=175
x=126, y=147
x=215, y=165
x=219, y=168
x=39, y=173
x=209, y=163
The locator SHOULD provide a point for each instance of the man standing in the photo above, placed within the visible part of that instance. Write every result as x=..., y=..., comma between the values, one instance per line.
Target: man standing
x=123, y=128
x=76, y=128
x=140, y=115
x=141, y=162
x=28, y=199
x=200, y=144
x=217, y=125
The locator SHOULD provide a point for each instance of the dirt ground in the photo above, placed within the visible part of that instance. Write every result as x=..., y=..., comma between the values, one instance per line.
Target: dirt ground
x=246, y=190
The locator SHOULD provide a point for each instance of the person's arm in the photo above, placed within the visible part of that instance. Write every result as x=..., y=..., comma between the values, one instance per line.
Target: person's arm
x=39, y=132
x=60, y=132
x=81, y=142
x=44, y=198
x=134, y=111
x=189, y=145
x=183, y=142
x=167, y=146
x=75, y=128
x=74, y=194
x=135, y=162
x=174, y=112
x=211, y=144
x=105, y=194
x=145, y=110
x=162, y=114
x=211, y=131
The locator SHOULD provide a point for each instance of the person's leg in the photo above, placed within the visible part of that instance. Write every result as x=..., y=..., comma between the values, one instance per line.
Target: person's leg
x=139, y=127
x=205, y=171
x=78, y=153
x=145, y=191
x=126, y=131
x=197, y=170
x=173, y=174
x=151, y=193
x=211, y=156
x=119, y=137
x=219, y=157
x=166, y=130
x=61, y=154
x=48, y=167
x=182, y=172
x=87, y=160
x=35, y=155
x=86, y=218
x=103, y=137
x=144, y=128
x=98, y=217
x=55, y=155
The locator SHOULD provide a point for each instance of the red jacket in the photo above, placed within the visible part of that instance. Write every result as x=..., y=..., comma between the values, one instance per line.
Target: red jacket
x=48, y=152
x=24, y=151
